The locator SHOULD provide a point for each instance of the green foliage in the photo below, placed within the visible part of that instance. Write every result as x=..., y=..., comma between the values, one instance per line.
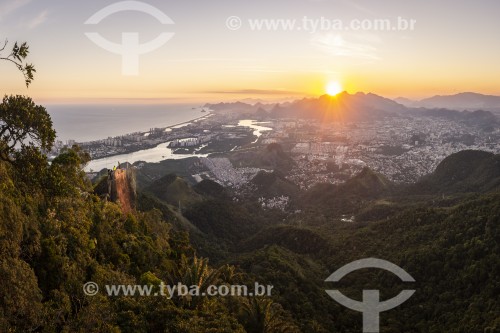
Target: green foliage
x=32, y=168
x=298, y=284
x=56, y=234
x=173, y=190
x=224, y=219
x=20, y=302
x=17, y=56
x=214, y=319
x=24, y=125
x=66, y=175
x=261, y=315
x=299, y=240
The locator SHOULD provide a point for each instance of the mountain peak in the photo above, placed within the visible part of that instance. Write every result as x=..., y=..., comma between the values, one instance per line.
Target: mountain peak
x=460, y=101
x=465, y=171
x=342, y=107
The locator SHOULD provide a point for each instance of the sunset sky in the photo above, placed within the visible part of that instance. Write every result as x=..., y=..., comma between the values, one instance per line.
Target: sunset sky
x=453, y=48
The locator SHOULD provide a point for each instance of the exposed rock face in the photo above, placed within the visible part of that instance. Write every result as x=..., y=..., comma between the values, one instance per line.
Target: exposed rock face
x=122, y=189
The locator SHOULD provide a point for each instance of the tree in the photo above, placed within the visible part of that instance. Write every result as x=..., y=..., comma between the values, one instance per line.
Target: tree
x=66, y=175
x=195, y=272
x=17, y=56
x=23, y=123
x=261, y=315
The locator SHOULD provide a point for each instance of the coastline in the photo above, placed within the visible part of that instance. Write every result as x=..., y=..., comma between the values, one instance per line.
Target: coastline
x=160, y=151
x=146, y=146
x=87, y=123
x=209, y=113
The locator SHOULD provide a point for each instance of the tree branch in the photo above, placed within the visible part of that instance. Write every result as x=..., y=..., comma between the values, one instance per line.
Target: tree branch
x=4, y=45
x=17, y=56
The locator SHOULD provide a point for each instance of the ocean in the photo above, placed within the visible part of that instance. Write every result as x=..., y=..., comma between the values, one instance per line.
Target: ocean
x=84, y=123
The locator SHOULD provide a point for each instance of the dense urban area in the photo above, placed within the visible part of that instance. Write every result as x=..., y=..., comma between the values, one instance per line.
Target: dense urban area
x=401, y=148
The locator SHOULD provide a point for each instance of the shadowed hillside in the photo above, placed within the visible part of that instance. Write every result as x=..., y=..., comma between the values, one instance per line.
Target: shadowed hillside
x=272, y=157
x=350, y=196
x=273, y=184
x=173, y=190
x=212, y=189
x=465, y=171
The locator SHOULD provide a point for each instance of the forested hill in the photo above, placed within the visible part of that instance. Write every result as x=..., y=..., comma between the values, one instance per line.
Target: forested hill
x=448, y=240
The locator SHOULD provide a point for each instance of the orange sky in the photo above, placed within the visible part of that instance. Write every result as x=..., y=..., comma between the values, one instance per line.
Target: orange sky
x=452, y=49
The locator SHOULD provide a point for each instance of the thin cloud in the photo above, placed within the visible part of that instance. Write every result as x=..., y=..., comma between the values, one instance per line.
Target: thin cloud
x=254, y=92
x=304, y=70
x=336, y=45
x=262, y=70
x=10, y=7
x=39, y=19
x=211, y=60
x=352, y=4
x=359, y=7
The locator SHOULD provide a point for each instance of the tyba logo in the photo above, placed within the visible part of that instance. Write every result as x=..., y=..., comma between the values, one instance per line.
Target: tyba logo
x=129, y=49
x=371, y=306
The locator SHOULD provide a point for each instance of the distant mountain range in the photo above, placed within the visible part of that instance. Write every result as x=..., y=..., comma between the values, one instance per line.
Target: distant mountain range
x=345, y=106
x=368, y=106
x=342, y=107
x=463, y=101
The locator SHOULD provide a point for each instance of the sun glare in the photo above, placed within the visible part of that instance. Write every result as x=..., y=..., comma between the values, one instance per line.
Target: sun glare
x=333, y=88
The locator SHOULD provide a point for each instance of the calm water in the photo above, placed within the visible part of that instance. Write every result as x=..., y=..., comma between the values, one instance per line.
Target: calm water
x=152, y=155
x=93, y=122
x=161, y=152
x=255, y=125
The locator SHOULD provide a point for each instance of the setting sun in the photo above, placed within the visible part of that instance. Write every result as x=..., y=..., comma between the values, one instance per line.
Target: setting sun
x=333, y=88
